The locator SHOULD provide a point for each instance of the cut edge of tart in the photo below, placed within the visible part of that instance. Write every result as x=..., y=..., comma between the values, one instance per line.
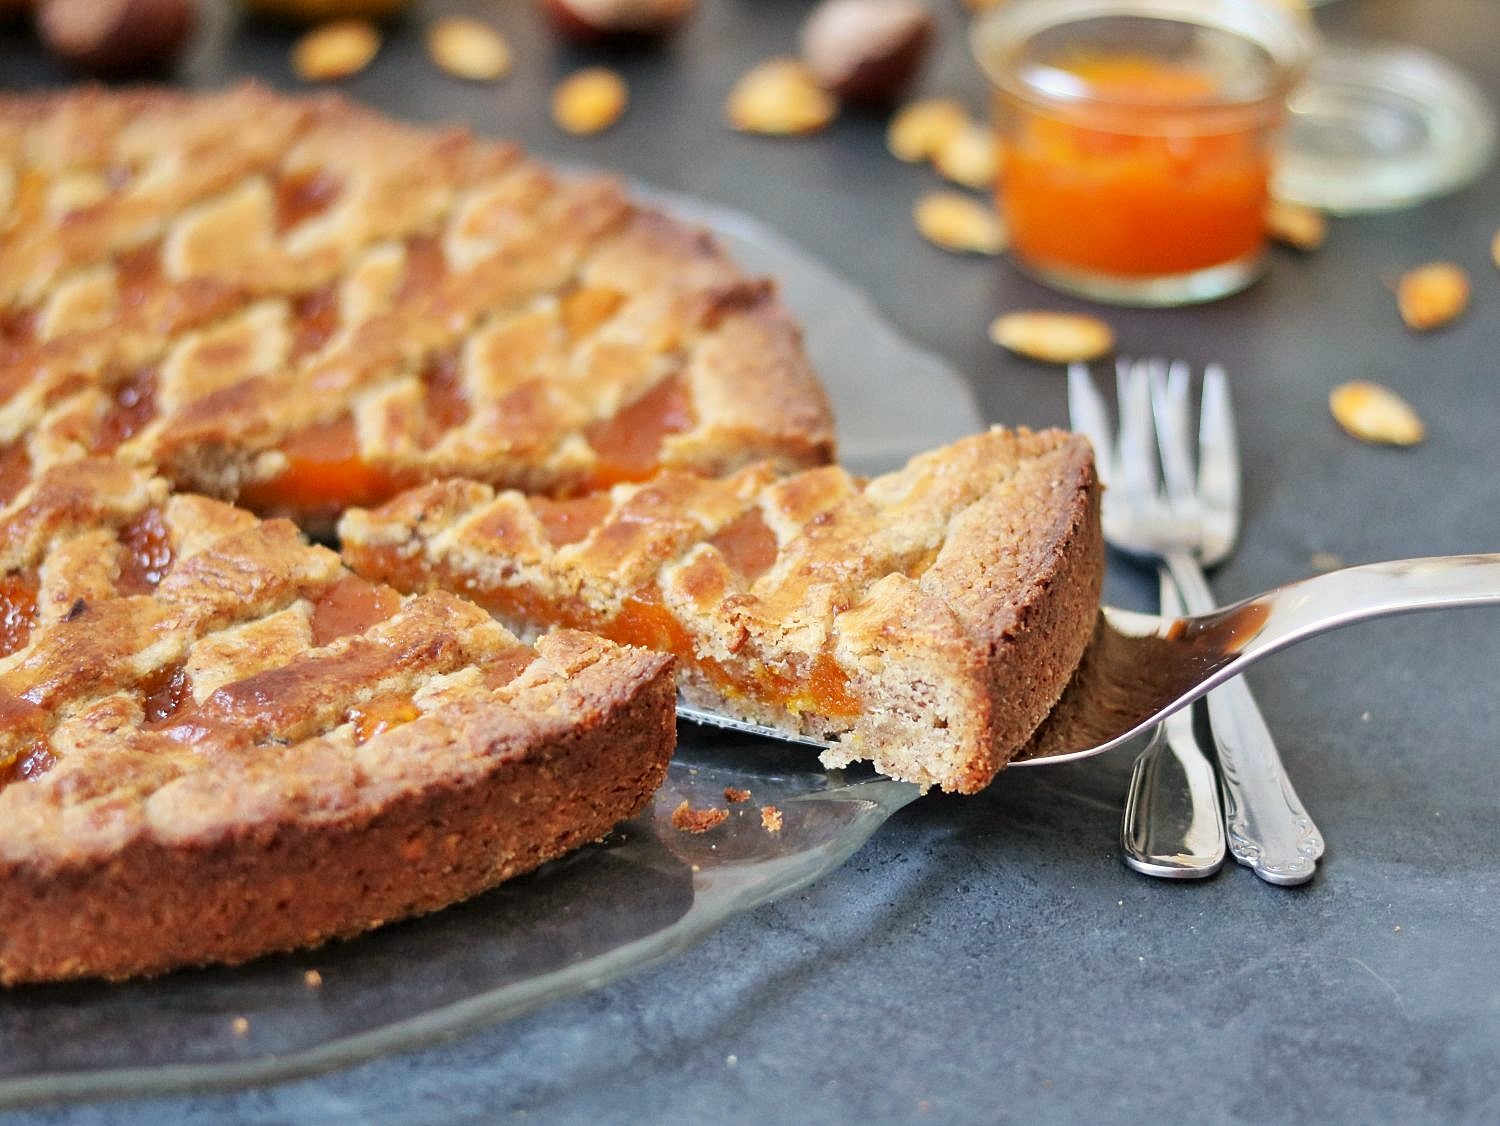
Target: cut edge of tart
x=927, y=619
x=218, y=743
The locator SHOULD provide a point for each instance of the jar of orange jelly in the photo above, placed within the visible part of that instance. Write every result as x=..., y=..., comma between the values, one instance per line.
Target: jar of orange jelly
x=1137, y=139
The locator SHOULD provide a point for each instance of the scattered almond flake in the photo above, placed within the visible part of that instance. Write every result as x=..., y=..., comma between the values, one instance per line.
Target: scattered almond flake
x=982, y=5
x=1296, y=225
x=1396, y=930
x=589, y=101
x=335, y=50
x=770, y=819
x=312, y=979
x=240, y=1026
x=1326, y=561
x=734, y=796
x=686, y=819
x=970, y=157
x=1495, y=249
x=1432, y=295
x=779, y=97
x=919, y=129
x=1057, y=338
x=1373, y=413
x=469, y=49
x=959, y=223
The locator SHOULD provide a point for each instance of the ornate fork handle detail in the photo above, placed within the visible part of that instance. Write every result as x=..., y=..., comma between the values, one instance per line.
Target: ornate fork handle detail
x=1268, y=828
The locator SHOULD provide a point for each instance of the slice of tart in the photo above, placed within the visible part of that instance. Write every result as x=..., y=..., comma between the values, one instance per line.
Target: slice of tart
x=216, y=742
x=304, y=305
x=927, y=619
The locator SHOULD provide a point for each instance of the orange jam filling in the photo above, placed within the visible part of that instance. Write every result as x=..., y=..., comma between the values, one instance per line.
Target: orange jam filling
x=504, y=667
x=137, y=272
x=351, y=605
x=18, y=592
x=645, y=621
x=303, y=195
x=315, y=318
x=377, y=716
x=15, y=471
x=28, y=722
x=586, y=308
x=133, y=406
x=748, y=545
x=33, y=760
x=629, y=444
x=446, y=404
x=164, y=693
x=325, y=470
x=148, y=553
x=569, y=521
x=1124, y=196
x=827, y=689
x=425, y=268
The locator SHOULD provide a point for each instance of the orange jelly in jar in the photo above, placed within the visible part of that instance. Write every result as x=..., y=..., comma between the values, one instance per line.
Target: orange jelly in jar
x=1137, y=139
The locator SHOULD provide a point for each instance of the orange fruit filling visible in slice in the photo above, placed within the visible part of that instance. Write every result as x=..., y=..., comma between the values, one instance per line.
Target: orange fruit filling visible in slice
x=324, y=470
x=351, y=605
x=629, y=444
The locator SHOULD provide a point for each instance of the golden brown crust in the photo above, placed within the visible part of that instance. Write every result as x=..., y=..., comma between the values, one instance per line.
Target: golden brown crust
x=216, y=743
x=302, y=304
x=282, y=883
x=928, y=619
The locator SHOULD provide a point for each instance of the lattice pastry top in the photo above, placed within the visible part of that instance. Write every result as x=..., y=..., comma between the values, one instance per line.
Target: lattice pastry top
x=929, y=617
x=187, y=689
x=305, y=305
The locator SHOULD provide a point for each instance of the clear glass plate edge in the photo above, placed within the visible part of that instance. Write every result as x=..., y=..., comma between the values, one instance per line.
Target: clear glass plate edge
x=945, y=410
x=710, y=909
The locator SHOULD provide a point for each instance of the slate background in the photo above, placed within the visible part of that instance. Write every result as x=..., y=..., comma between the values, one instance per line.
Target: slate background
x=990, y=959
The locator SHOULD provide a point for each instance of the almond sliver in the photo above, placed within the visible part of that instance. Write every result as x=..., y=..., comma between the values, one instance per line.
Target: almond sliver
x=1373, y=413
x=1057, y=338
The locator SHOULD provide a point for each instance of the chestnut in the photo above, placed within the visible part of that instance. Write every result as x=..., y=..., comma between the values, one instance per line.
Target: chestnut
x=116, y=37
x=617, y=22
x=868, y=52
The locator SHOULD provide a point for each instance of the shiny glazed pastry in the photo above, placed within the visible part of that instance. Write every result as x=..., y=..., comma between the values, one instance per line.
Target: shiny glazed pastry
x=216, y=742
x=928, y=619
x=302, y=305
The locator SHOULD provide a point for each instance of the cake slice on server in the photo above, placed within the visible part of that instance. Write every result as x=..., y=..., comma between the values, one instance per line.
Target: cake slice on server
x=216, y=742
x=927, y=619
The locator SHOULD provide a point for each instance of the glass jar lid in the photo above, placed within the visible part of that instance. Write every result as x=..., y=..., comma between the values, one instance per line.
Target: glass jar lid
x=1373, y=128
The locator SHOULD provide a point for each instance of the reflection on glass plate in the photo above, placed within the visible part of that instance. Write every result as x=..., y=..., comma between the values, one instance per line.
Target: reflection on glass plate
x=646, y=891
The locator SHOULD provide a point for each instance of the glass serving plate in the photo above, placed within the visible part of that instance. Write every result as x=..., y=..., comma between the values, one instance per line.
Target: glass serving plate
x=577, y=923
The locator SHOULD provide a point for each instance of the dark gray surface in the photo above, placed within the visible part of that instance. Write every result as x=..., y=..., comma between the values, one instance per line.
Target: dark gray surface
x=990, y=959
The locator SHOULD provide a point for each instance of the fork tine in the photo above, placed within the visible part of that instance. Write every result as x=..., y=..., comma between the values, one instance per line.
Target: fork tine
x=1169, y=404
x=1090, y=417
x=1135, y=458
x=1218, y=463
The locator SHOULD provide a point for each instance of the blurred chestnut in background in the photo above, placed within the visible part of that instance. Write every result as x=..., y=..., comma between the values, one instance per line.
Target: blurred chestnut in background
x=111, y=38
x=868, y=52
x=617, y=22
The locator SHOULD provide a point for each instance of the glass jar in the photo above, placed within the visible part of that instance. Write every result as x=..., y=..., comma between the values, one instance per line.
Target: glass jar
x=1137, y=139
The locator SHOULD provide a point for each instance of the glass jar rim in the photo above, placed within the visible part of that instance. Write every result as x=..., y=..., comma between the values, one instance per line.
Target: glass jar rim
x=1287, y=37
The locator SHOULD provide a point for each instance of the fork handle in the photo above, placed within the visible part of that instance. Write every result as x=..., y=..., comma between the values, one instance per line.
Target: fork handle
x=1269, y=830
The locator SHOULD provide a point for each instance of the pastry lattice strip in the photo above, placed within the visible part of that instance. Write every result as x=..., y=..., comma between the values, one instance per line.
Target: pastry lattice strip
x=181, y=680
x=505, y=324
x=928, y=619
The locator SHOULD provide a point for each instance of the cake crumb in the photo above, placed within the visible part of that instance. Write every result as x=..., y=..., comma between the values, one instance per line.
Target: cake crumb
x=734, y=796
x=686, y=819
x=770, y=819
x=240, y=1026
x=312, y=979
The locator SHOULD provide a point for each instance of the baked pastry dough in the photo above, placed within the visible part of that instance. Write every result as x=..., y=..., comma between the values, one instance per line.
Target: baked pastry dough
x=928, y=619
x=216, y=742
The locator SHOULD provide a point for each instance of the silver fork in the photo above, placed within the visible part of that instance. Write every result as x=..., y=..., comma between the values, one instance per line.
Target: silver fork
x=1184, y=518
